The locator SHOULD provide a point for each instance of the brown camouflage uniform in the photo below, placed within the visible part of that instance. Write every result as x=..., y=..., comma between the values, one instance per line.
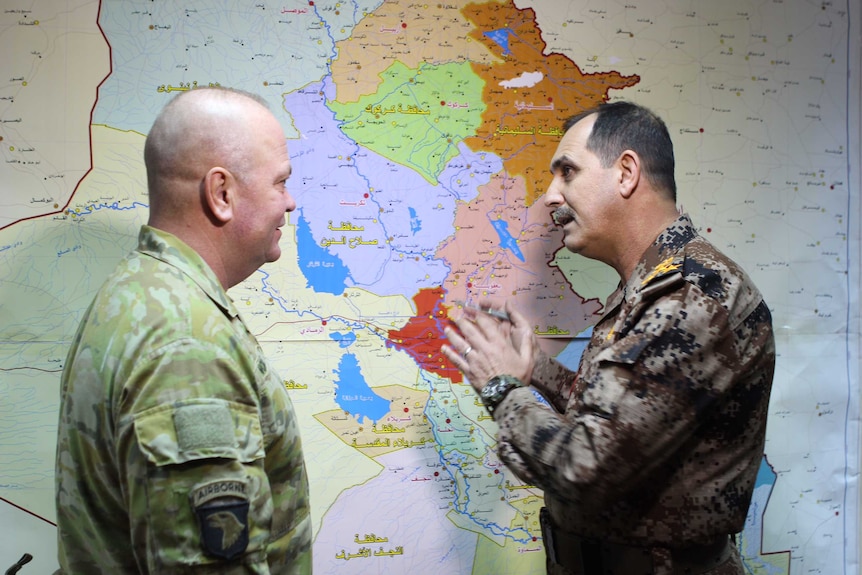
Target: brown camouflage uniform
x=660, y=433
x=178, y=447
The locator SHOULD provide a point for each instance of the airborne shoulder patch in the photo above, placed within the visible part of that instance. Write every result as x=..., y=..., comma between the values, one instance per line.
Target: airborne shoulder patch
x=222, y=511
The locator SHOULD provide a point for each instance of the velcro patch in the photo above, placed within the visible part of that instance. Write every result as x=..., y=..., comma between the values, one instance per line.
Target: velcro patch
x=204, y=426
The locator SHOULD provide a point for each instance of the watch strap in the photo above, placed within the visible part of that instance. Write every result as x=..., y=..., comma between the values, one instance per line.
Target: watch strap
x=496, y=390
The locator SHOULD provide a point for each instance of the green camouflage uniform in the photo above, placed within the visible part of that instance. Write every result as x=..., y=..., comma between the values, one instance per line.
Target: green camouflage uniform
x=178, y=447
x=657, y=439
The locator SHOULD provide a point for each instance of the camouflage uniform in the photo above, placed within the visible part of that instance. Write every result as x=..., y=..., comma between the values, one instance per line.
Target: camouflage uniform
x=659, y=435
x=178, y=447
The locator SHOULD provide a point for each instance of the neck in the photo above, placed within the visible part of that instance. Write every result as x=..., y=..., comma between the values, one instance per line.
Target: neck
x=642, y=233
x=206, y=246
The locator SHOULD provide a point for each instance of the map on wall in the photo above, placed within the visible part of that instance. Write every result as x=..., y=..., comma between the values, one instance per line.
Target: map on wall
x=420, y=135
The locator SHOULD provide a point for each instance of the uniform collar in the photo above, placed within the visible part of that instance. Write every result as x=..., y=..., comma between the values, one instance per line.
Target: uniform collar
x=173, y=251
x=663, y=257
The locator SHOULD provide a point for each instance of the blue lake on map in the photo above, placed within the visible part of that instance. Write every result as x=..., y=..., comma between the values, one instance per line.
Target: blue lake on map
x=325, y=272
x=353, y=394
x=507, y=242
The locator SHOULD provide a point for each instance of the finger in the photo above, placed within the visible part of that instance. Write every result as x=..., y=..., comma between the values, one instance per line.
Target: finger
x=488, y=328
x=487, y=324
x=515, y=316
x=456, y=342
x=453, y=356
x=470, y=331
x=456, y=359
x=493, y=309
x=460, y=346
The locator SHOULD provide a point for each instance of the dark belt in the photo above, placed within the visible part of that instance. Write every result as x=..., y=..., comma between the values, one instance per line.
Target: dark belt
x=583, y=556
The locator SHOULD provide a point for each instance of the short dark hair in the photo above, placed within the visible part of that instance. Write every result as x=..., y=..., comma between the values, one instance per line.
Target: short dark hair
x=623, y=126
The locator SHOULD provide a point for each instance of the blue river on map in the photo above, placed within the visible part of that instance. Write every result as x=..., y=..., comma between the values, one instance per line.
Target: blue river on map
x=324, y=272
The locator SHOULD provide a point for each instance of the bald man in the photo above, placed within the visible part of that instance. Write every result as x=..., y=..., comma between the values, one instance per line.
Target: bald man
x=178, y=448
x=650, y=450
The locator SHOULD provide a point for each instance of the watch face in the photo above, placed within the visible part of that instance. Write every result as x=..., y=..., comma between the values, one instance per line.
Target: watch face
x=496, y=389
x=492, y=388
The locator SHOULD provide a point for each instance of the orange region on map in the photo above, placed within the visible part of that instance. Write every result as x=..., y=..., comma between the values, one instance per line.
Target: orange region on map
x=528, y=114
x=405, y=425
x=399, y=31
x=408, y=120
x=422, y=335
x=482, y=269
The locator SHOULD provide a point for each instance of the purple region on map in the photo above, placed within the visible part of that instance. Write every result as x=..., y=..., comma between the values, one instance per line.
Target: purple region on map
x=363, y=208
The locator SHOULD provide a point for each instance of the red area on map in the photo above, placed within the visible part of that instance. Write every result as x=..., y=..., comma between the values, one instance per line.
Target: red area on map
x=422, y=336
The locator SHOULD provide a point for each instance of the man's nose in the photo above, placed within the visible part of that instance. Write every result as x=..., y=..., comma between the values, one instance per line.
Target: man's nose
x=553, y=197
x=290, y=203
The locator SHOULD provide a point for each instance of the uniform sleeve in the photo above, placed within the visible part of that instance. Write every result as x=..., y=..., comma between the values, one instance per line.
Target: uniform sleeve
x=637, y=400
x=553, y=380
x=191, y=455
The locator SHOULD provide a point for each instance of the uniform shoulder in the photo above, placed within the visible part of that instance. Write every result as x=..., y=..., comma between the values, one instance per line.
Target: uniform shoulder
x=720, y=278
x=151, y=301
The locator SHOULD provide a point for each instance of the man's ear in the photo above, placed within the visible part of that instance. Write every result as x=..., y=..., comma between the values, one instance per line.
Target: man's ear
x=630, y=172
x=219, y=193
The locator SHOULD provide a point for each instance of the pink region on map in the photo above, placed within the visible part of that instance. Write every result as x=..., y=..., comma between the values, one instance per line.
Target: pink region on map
x=484, y=268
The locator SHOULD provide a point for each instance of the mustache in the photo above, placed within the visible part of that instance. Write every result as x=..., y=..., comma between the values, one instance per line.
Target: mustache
x=563, y=215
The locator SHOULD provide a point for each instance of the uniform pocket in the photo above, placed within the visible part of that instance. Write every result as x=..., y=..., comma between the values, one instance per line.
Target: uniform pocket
x=203, y=497
x=200, y=429
x=611, y=379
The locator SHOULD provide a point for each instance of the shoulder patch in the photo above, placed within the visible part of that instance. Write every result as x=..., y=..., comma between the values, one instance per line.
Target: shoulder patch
x=222, y=508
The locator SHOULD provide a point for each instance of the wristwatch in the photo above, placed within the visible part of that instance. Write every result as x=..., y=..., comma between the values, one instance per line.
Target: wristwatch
x=497, y=389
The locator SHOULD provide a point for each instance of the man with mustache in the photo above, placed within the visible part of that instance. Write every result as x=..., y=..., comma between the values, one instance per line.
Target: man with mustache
x=648, y=454
x=178, y=448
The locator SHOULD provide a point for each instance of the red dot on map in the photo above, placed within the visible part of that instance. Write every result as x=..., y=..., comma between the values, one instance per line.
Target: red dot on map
x=365, y=195
x=442, y=102
x=550, y=99
x=436, y=474
x=311, y=3
x=701, y=130
x=404, y=24
x=709, y=230
x=469, y=284
x=535, y=538
x=406, y=410
x=323, y=322
x=496, y=471
x=448, y=420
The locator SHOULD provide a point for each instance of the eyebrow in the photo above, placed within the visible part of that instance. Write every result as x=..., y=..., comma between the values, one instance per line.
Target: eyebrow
x=558, y=163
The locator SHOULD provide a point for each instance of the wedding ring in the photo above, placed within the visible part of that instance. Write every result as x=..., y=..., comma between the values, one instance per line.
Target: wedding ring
x=466, y=351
